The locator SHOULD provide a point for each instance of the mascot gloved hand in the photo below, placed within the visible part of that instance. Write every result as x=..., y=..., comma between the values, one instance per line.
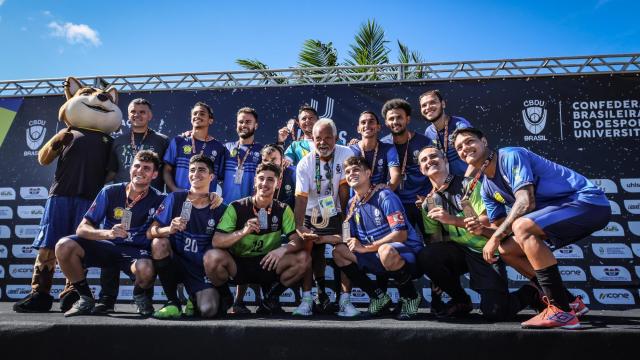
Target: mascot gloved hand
x=82, y=151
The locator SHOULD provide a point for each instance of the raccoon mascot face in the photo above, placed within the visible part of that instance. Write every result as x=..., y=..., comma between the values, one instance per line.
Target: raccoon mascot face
x=90, y=108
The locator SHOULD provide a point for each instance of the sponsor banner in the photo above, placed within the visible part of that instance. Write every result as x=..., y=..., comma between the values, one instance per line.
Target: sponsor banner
x=34, y=193
x=23, y=251
x=329, y=292
x=631, y=185
x=21, y=271
x=615, y=208
x=475, y=297
x=632, y=206
x=158, y=294
x=426, y=294
x=571, y=251
x=27, y=231
x=4, y=252
x=634, y=227
x=614, y=296
x=6, y=213
x=17, y=292
x=513, y=275
x=125, y=292
x=610, y=273
x=328, y=251
x=636, y=249
x=30, y=212
x=5, y=232
x=638, y=271
x=394, y=294
x=579, y=292
x=328, y=273
x=358, y=296
x=36, y=133
x=7, y=193
x=1, y=272
x=93, y=273
x=612, y=250
x=572, y=273
x=288, y=297
x=249, y=296
x=612, y=229
x=607, y=185
x=534, y=117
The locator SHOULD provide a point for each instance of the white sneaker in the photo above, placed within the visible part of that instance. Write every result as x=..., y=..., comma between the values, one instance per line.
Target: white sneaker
x=305, y=308
x=347, y=309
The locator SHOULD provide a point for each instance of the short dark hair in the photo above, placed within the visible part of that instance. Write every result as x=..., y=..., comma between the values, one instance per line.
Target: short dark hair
x=309, y=108
x=357, y=161
x=442, y=154
x=248, y=110
x=468, y=130
x=396, y=104
x=268, y=167
x=204, y=105
x=434, y=92
x=141, y=101
x=269, y=148
x=370, y=113
x=149, y=156
x=201, y=158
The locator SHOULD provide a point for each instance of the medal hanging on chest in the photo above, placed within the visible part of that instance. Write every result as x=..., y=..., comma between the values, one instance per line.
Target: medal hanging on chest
x=237, y=178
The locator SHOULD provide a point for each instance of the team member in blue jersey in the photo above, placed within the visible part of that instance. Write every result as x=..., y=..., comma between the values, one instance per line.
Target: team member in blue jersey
x=113, y=233
x=550, y=206
x=382, y=156
x=307, y=117
x=432, y=107
x=242, y=157
x=181, y=238
x=182, y=148
x=287, y=184
x=397, y=115
x=380, y=241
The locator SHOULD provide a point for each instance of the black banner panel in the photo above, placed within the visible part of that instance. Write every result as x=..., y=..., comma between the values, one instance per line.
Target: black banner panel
x=588, y=123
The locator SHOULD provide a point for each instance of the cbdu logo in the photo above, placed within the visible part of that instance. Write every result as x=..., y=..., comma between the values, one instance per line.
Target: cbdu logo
x=35, y=135
x=534, y=116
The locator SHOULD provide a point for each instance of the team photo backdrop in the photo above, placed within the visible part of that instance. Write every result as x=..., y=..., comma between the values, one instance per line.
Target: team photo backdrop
x=589, y=123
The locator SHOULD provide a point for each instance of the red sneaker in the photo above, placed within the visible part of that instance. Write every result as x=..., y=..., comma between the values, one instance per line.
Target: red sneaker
x=578, y=306
x=552, y=317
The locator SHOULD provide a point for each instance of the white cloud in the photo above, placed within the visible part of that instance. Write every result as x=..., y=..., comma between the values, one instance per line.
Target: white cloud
x=75, y=33
x=1, y=2
x=46, y=13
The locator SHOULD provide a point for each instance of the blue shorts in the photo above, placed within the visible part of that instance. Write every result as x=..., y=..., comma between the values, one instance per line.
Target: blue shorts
x=104, y=253
x=371, y=263
x=62, y=215
x=190, y=269
x=568, y=221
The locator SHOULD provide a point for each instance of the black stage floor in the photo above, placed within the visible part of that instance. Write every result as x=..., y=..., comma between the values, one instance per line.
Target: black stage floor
x=123, y=335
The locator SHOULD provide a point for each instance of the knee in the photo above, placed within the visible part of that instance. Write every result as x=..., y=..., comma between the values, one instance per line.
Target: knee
x=65, y=248
x=303, y=260
x=212, y=259
x=388, y=255
x=341, y=255
x=208, y=309
x=160, y=248
x=145, y=272
x=522, y=228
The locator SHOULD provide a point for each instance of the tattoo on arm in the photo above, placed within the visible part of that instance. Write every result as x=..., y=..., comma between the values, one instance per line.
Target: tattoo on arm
x=525, y=203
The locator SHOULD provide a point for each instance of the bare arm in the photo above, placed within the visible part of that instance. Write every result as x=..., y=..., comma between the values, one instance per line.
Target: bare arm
x=300, y=210
x=394, y=177
x=156, y=231
x=525, y=203
x=223, y=240
x=86, y=230
x=343, y=195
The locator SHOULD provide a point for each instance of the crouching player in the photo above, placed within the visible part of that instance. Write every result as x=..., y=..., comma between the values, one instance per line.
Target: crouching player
x=378, y=240
x=124, y=211
x=181, y=233
x=248, y=247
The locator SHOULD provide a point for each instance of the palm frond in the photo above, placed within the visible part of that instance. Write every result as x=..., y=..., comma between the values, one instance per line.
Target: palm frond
x=254, y=64
x=370, y=47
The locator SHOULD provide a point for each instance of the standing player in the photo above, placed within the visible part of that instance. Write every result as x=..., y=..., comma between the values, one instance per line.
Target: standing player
x=248, y=243
x=182, y=148
x=432, y=107
x=551, y=206
x=181, y=233
x=321, y=194
x=285, y=193
x=379, y=241
x=307, y=117
x=112, y=233
x=383, y=157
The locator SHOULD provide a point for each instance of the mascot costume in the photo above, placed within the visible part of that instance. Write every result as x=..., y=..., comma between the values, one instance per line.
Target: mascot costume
x=82, y=150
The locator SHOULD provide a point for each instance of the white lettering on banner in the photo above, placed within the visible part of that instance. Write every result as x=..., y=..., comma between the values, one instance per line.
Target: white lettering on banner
x=613, y=296
x=7, y=193
x=23, y=251
x=6, y=213
x=17, y=292
x=31, y=212
x=513, y=275
x=534, y=116
x=4, y=252
x=27, y=231
x=612, y=250
x=580, y=292
x=5, y=232
x=607, y=185
x=636, y=249
x=572, y=273
x=34, y=193
x=21, y=271
x=632, y=206
x=612, y=229
x=571, y=251
x=610, y=273
x=35, y=136
x=634, y=227
x=631, y=185
x=605, y=119
x=615, y=208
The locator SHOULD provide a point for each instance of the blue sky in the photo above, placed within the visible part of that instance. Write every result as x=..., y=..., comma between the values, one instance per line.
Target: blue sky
x=58, y=38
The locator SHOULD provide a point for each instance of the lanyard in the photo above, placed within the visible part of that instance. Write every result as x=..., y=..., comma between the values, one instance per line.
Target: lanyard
x=128, y=205
x=357, y=202
x=282, y=169
x=375, y=155
x=404, y=161
x=328, y=175
x=447, y=181
x=445, y=144
x=204, y=143
x=134, y=148
x=246, y=154
x=474, y=182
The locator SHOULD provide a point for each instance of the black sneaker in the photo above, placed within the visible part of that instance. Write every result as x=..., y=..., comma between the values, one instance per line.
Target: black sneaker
x=144, y=305
x=36, y=302
x=105, y=305
x=270, y=307
x=84, y=306
x=67, y=301
x=456, y=310
x=323, y=305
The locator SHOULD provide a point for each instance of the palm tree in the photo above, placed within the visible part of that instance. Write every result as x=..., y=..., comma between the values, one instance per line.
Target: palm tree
x=253, y=64
x=370, y=48
x=406, y=56
x=315, y=53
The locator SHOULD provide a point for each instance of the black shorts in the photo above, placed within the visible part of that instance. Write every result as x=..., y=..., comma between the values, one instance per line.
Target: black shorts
x=251, y=272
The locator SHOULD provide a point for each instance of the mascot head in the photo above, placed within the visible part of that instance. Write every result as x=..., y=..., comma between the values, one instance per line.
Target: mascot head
x=90, y=108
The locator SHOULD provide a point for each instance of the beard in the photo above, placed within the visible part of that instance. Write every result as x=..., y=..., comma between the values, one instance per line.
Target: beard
x=400, y=132
x=248, y=134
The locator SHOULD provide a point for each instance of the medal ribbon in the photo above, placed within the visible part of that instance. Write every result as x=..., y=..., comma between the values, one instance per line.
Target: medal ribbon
x=474, y=182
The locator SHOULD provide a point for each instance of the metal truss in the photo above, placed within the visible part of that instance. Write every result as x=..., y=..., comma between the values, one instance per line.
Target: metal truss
x=455, y=70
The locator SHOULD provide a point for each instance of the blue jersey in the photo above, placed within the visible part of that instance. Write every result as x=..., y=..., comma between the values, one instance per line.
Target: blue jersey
x=379, y=216
x=230, y=190
x=180, y=152
x=109, y=205
x=195, y=240
x=456, y=165
x=386, y=158
x=518, y=167
x=287, y=191
x=415, y=183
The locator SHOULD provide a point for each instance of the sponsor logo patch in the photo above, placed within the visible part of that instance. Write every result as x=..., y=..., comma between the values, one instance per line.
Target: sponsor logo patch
x=572, y=273
x=395, y=218
x=612, y=251
x=34, y=193
x=27, y=231
x=632, y=206
x=30, y=212
x=571, y=251
x=6, y=213
x=7, y=193
x=610, y=273
x=631, y=185
x=612, y=229
x=613, y=296
x=23, y=251
x=5, y=232
x=607, y=185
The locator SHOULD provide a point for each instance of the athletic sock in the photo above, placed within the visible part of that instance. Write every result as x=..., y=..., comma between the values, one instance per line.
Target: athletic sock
x=167, y=274
x=274, y=292
x=361, y=280
x=82, y=287
x=551, y=283
x=137, y=290
x=405, y=285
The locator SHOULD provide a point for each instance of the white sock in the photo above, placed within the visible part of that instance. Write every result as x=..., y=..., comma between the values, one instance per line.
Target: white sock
x=306, y=294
